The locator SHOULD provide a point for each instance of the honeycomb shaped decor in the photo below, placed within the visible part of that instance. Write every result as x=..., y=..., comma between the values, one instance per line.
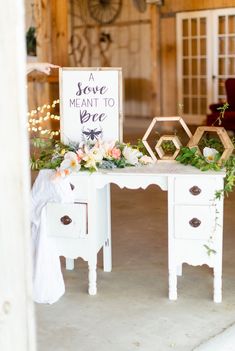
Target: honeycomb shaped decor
x=223, y=136
x=160, y=150
x=172, y=138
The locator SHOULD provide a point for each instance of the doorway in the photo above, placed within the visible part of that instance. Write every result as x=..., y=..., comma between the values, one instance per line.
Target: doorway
x=205, y=58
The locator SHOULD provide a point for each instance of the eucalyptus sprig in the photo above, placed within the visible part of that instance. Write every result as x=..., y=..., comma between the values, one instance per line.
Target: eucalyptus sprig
x=221, y=110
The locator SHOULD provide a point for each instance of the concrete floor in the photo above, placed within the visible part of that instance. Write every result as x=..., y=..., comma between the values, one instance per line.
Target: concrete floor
x=131, y=310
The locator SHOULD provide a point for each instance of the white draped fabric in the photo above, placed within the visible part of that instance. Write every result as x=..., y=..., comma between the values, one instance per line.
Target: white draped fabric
x=48, y=283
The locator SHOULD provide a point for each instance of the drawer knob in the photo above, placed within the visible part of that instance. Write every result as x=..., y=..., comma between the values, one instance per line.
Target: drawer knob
x=195, y=190
x=72, y=186
x=66, y=220
x=195, y=222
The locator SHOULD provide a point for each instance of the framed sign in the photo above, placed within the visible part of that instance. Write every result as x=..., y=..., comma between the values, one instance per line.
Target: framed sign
x=90, y=104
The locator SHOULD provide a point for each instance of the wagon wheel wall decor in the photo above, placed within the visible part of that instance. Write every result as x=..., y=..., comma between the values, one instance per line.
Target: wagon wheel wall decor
x=104, y=11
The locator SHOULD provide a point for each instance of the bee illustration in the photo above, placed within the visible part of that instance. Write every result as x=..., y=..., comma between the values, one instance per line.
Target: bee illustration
x=92, y=134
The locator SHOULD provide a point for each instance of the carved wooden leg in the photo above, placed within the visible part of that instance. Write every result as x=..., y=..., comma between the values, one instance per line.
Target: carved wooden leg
x=172, y=284
x=107, y=248
x=92, y=277
x=217, y=284
x=107, y=256
x=69, y=262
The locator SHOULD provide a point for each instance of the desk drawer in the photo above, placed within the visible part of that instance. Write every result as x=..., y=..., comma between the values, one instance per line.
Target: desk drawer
x=194, y=222
x=66, y=220
x=194, y=190
x=79, y=184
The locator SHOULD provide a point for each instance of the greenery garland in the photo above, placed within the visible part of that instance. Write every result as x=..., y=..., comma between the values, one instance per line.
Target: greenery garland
x=190, y=156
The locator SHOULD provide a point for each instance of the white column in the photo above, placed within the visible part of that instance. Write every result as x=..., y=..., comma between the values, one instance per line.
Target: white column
x=17, y=330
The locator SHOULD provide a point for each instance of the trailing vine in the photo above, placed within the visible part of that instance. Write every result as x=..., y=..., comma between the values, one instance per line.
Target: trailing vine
x=221, y=110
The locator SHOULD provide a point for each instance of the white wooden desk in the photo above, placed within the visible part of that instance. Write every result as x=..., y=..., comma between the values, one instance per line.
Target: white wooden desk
x=195, y=218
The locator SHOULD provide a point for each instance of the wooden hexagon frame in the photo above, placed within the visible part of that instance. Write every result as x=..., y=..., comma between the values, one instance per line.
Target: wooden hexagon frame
x=222, y=134
x=151, y=126
x=175, y=140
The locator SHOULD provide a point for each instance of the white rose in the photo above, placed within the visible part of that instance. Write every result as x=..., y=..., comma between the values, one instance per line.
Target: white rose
x=131, y=155
x=209, y=153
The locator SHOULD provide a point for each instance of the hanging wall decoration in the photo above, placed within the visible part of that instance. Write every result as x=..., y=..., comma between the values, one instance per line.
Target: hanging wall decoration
x=104, y=11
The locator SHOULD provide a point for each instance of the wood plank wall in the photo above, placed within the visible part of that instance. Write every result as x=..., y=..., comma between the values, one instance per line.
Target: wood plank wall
x=130, y=48
x=143, y=44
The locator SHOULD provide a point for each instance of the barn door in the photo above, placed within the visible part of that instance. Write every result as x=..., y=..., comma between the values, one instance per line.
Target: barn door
x=205, y=58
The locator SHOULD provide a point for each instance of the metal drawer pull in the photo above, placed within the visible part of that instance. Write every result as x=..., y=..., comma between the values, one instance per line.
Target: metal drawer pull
x=72, y=186
x=66, y=220
x=195, y=190
x=195, y=222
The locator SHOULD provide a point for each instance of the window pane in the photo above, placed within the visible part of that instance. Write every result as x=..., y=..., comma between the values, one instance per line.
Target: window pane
x=231, y=24
x=194, y=67
x=194, y=27
x=231, y=66
x=185, y=68
x=186, y=105
x=203, y=67
x=231, y=45
x=202, y=26
x=194, y=106
x=221, y=24
x=185, y=28
x=194, y=86
x=221, y=66
x=203, y=46
x=194, y=47
x=185, y=86
x=203, y=106
x=221, y=45
x=185, y=47
x=203, y=90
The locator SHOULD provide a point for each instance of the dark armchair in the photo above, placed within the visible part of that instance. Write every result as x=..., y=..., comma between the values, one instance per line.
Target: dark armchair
x=228, y=122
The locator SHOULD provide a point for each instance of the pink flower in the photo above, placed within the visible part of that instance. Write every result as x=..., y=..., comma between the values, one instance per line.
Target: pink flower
x=80, y=155
x=115, y=153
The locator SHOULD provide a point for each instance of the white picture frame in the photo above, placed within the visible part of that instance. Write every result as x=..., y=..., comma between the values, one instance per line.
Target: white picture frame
x=91, y=104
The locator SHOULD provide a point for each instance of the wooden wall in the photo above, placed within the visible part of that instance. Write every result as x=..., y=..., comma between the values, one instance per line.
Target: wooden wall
x=143, y=44
x=130, y=47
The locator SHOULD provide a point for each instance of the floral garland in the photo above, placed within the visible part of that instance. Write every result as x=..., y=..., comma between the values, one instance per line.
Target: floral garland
x=67, y=159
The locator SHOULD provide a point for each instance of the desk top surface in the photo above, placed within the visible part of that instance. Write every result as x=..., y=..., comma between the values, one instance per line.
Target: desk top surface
x=157, y=169
x=162, y=169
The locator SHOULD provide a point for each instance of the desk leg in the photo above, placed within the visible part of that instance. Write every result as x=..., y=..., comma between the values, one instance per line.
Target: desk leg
x=172, y=284
x=92, y=276
x=218, y=283
x=107, y=249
